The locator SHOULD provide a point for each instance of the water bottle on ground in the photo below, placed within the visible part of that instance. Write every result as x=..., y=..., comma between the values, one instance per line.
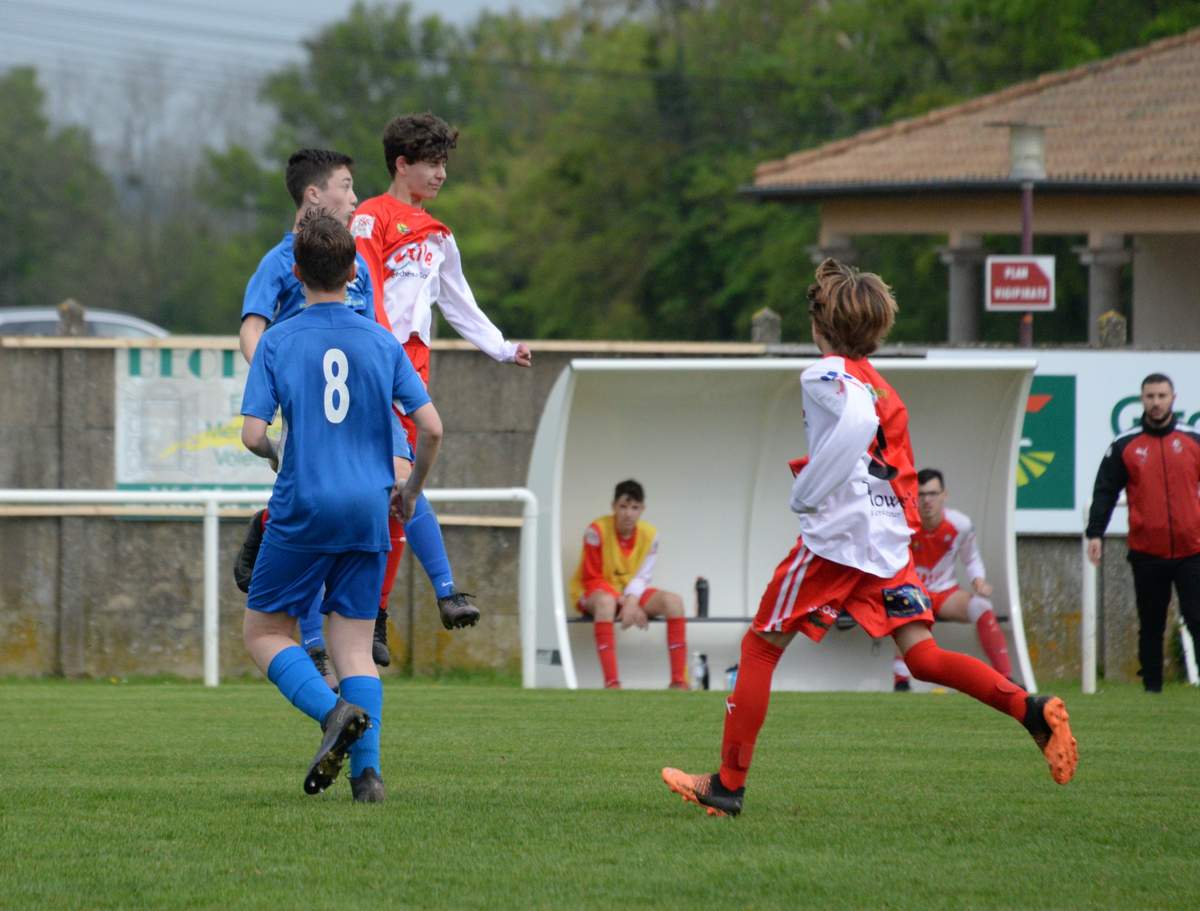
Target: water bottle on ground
x=699, y=671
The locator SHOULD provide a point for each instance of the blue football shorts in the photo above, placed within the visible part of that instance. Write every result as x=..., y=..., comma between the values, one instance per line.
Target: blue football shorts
x=288, y=580
x=400, y=447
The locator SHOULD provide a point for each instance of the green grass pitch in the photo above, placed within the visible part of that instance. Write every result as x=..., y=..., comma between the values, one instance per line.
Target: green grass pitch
x=168, y=795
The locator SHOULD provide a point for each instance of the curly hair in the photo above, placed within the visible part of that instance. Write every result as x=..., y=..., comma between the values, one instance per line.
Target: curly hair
x=417, y=137
x=854, y=311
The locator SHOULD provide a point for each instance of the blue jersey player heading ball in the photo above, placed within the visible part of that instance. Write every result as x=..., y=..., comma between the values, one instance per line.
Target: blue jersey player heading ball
x=334, y=376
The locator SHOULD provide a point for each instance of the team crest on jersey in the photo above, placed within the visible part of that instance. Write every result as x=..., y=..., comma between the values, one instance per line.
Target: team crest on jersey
x=362, y=225
x=1177, y=445
x=905, y=601
x=402, y=227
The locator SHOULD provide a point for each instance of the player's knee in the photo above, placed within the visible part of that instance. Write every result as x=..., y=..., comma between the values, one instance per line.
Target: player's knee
x=672, y=604
x=977, y=607
x=603, y=607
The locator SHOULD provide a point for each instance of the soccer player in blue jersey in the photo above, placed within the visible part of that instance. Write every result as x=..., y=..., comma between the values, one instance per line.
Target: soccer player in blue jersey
x=317, y=179
x=335, y=377
x=320, y=179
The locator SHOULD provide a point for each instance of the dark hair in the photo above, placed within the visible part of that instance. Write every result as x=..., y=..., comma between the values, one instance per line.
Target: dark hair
x=631, y=489
x=311, y=168
x=324, y=252
x=418, y=137
x=854, y=311
x=1158, y=378
x=925, y=475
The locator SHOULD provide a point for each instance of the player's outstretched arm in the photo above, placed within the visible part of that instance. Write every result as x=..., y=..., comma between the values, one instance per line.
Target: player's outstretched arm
x=254, y=438
x=429, y=441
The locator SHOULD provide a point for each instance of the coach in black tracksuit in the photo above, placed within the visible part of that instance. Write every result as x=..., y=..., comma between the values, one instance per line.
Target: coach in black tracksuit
x=1159, y=466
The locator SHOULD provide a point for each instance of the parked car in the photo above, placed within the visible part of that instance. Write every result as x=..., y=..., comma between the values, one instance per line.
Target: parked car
x=105, y=323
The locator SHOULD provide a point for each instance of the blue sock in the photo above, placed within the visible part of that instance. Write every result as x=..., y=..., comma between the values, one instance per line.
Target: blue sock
x=425, y=538
x=312, y=624
x=366, y=693
x=301, y=684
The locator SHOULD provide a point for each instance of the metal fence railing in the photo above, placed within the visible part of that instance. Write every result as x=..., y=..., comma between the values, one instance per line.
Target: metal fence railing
x=212, y=500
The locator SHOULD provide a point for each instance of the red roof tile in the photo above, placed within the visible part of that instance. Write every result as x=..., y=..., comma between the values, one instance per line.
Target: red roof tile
x=1130, y=118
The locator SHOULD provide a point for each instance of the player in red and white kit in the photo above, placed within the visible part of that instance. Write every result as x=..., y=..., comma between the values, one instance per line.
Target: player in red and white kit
x=855, y=494
x=612, y=583
x=945, y=538
x=414, y=263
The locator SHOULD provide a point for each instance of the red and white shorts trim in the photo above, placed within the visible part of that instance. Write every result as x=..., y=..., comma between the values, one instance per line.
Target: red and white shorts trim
x=807, y=592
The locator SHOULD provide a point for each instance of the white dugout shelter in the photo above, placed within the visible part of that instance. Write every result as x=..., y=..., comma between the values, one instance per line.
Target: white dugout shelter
x=710, y=440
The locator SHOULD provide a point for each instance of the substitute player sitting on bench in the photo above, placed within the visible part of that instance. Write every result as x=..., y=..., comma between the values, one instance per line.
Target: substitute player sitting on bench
x=612, y=582
x=946, y=536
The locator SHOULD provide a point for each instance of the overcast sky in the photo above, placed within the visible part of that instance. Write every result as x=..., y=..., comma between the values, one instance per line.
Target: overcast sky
x=96, y=57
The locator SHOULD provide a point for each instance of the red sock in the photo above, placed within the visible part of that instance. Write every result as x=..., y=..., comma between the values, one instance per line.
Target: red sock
x=677, y=648
x=967, y=675
x=606, y=649
x=396, y=534
x=746, y=708
x=993, y=643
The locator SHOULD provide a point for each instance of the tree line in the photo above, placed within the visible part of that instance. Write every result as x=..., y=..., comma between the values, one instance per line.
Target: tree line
x=594, y=192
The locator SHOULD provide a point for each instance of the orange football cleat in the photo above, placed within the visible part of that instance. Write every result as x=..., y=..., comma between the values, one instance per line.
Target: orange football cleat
x=705, y=790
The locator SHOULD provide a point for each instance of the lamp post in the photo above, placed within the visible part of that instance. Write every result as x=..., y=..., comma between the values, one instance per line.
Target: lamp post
x=1027, y=163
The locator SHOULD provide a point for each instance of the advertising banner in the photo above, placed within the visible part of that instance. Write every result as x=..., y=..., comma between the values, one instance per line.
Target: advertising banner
x=1080, y=400
x=178, y=421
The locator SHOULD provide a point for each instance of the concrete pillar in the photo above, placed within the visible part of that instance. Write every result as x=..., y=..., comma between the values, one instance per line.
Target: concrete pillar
x=964, y=258
x=71, y=319
x=766, y=327
x=1105, y=256
x=834, y=246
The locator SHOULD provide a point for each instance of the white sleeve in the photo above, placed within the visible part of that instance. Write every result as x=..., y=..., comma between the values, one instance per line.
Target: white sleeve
x=968, y=548
x=841, y=419
x=457, y=304
x=641, y=581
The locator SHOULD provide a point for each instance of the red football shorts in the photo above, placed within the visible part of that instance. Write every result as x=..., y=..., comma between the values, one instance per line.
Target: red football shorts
x=583, y=599
x=940, y=598
x=418, y=353
x=807, y=593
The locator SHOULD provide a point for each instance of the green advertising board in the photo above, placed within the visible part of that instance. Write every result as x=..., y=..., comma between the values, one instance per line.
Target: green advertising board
x=1046, y=462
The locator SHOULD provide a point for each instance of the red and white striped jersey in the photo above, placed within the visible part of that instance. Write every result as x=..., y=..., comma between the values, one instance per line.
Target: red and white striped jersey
x=856, y=496
x=936, y=551
x=415, y=263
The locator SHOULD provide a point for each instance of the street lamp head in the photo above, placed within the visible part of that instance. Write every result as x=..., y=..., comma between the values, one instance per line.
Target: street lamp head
x=1026, y=150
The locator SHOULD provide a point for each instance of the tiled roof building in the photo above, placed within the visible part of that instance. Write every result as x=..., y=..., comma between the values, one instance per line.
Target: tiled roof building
x=1122, y=165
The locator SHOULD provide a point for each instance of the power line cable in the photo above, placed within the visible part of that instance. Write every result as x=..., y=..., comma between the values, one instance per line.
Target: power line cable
x=552, y=68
